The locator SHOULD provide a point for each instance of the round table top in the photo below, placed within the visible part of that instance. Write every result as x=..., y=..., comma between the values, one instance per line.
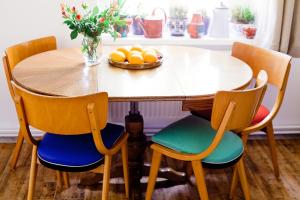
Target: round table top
x=186, y=73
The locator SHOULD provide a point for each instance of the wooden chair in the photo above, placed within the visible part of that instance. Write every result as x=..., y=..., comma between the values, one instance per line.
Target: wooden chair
x=277, y=65
x=78, y=137
x=14, y=55
x=210, y=144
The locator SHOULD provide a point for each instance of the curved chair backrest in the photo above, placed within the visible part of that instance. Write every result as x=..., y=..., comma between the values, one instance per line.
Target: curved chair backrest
x=276, y=64
x=19, y=52
x=244, y=104
x=61, y=115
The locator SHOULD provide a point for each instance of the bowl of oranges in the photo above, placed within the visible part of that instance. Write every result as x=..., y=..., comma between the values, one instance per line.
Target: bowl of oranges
x=135, y=57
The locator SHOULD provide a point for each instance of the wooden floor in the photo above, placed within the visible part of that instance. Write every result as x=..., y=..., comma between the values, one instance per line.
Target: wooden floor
x=263, y=184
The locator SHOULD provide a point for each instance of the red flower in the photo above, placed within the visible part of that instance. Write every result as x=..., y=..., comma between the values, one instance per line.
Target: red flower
x=73, y=9
x=102, y=19
x=78, y=17
x=62, y=6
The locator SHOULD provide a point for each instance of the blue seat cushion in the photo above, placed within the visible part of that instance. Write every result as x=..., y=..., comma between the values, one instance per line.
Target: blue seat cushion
x=76, y=152
x=193, y=135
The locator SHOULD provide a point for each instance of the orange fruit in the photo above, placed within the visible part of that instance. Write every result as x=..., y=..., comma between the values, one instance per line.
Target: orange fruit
x=136, y=59
x=137, y=47
x=124, y=49
x=150, y=57
x=117, y=56
x=132, y=53
x=149, y=50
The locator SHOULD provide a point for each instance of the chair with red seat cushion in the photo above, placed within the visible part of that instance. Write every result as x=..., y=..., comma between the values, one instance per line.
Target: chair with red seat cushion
x=277, y=65
x=261, y=114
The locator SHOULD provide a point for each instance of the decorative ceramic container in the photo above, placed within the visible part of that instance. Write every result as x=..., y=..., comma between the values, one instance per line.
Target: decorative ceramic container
x=177, y=26
x=219, y=26
x=137, y=29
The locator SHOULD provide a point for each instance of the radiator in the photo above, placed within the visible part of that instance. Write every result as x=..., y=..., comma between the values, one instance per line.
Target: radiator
x=156, y=114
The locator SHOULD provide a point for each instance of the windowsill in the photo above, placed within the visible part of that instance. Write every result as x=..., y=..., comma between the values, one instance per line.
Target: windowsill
x=205, y=41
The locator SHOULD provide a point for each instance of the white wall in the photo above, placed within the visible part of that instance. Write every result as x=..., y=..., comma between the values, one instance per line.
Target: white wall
x=24, y=20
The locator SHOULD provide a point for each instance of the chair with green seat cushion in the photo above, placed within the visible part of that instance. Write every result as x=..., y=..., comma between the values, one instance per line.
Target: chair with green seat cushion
x=210, y=143
x=193, y=135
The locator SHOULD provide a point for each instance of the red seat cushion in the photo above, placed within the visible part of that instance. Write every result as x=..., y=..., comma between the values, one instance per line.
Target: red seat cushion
x=260, y=115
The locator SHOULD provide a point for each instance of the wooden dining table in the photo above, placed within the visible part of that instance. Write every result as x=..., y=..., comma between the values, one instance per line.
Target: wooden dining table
x=187, y=74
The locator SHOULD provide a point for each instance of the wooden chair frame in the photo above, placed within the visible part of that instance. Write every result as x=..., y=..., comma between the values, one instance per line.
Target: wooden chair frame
x=278, y=66
x=224, y=118
x=95, y=125
x=14, y=55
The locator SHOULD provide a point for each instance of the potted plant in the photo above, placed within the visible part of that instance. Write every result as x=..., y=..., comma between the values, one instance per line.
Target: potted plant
x=242, y=19
x=123, y=29
x=91, y=23
x=178, y=19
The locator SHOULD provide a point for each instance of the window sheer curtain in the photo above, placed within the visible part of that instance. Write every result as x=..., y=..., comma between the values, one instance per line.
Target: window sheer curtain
x=279, y=26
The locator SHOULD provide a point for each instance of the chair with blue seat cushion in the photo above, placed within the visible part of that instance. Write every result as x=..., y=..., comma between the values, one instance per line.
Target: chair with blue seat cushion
x=210, y=143
x=78, y=137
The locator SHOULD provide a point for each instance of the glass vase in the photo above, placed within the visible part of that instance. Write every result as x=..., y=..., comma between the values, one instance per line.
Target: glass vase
x=92, y=50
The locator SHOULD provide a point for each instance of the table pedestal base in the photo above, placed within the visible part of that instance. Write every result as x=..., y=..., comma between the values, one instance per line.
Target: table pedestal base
x=137, y=145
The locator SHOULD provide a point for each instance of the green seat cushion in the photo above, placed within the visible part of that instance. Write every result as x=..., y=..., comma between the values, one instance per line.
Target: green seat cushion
x=193, y=135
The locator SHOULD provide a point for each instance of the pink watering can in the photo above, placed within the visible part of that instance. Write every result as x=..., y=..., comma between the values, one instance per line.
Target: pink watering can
x=153, y=25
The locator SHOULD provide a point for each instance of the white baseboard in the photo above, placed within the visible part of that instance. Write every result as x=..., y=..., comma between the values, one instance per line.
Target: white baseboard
x=294, y=129
x=280, y=130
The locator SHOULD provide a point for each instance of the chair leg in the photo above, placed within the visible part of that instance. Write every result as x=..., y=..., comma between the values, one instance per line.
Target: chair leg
x=199, y=175
x=59, y=179
x=17, y=150
x=153, y=173
x=66, y=179
x=106, y=177
x=272, y=146
x=33, y=172
x=243, y=178
x=125, y=168
x=234, y=182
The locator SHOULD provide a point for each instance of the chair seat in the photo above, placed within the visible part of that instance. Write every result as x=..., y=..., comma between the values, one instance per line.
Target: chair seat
x=193, y=135
x=261, y=114
x=76, y=152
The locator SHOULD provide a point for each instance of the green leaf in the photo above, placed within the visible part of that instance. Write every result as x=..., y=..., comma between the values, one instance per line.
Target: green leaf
x=95, y=10
x=74, y=34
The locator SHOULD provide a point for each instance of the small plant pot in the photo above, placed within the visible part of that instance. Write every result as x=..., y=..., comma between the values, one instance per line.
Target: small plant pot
x=237, y=29
x=196, y=30
x=249, y=32
x=124, y=30
x=177, y=26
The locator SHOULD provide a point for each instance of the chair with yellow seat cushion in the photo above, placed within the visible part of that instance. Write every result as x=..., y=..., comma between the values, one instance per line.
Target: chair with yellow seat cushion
x=78, y=137
x=14, y=55
x=210, y=144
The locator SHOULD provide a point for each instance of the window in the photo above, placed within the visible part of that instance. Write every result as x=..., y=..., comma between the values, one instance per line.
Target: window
x=246, y=29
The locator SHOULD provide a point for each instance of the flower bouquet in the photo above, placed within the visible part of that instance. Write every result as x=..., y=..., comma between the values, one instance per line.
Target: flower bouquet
x=92, y=23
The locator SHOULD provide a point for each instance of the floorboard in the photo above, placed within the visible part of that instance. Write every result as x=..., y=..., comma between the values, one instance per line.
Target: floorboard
x=263, y=184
